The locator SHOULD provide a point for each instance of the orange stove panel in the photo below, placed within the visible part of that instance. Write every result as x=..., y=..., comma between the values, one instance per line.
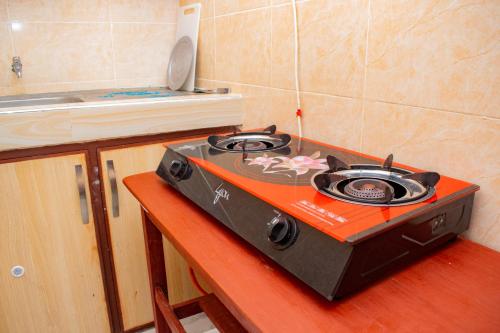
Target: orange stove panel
x=259, y=174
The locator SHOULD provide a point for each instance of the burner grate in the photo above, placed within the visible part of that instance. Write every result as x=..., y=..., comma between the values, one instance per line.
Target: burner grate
x=250, y=141
x=377, y=185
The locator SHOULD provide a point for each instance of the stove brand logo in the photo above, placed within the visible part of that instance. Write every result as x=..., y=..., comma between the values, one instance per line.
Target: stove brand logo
x=220, y=193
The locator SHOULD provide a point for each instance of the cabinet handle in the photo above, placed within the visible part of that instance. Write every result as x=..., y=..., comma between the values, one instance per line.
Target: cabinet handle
x=80, y=182
x=115, y=203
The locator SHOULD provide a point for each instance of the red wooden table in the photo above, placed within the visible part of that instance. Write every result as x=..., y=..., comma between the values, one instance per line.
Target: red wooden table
x=457, y=289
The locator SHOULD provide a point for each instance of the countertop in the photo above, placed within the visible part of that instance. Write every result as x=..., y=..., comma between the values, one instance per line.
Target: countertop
x=456, y=289
x=114, y=113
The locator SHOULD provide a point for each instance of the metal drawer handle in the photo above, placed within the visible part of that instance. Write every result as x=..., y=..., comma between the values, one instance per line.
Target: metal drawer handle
x=115, y=203
x=80, y=182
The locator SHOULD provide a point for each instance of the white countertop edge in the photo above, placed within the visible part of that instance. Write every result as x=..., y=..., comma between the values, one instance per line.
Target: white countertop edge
x=190, y=99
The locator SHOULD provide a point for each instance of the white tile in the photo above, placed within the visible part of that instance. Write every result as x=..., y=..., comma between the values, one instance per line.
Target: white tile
x=199, y=323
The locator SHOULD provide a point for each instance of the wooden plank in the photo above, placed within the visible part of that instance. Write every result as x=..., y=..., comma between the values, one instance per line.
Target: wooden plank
x=219, y=315
x=151, y=116
x=457, y=289
x=156, y=268
x=126, y=235
x=168, y=312
x=127, y=241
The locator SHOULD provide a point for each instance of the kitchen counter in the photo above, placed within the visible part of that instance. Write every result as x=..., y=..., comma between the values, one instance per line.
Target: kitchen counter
x=456, y=289
x=105, y=114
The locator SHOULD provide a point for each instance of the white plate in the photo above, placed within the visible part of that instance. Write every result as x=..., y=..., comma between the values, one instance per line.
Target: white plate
x=180, y=63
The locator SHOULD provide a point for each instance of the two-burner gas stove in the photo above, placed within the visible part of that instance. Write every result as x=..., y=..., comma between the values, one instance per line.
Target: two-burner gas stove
x=334, y=218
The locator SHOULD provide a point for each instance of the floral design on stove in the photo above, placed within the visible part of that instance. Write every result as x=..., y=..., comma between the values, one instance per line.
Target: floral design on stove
x=281, y=164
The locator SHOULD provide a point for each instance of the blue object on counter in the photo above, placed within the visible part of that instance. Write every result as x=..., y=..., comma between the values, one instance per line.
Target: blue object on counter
x=144, y=93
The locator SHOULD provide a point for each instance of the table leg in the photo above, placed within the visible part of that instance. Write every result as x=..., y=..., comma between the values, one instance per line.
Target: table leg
x=156, y=267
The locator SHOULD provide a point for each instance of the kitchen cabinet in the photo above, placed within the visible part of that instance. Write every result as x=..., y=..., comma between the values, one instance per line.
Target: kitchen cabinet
x=47, y=230
x=65, y=237
x=127, y=238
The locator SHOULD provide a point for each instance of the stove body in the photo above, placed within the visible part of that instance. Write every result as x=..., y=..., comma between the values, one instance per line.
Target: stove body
x=268, y=199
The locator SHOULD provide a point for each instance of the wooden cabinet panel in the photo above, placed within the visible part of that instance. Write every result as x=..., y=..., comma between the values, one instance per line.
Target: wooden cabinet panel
x=41, y=229
x=127, y=240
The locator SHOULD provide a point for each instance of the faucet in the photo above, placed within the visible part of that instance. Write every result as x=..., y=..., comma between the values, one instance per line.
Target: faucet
x=17, y=66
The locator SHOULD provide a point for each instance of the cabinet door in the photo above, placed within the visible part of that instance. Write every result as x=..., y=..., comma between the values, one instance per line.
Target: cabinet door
x=44, y=232
x=127, y=238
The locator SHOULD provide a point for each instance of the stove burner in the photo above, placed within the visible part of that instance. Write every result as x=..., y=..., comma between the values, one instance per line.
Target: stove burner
x=374, y=185
x=367, y=189
x=250, y=141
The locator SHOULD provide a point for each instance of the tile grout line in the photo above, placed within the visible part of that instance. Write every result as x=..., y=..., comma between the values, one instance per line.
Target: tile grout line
x=365, y=70
x=354, y=98
x=270, y=5
x=96, y=22
x=113, y=55
x=214, y=74
x=9, y=24
x=270, y=78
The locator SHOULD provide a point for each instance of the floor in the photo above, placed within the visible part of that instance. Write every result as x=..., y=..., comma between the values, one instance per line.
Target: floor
x=199, y=323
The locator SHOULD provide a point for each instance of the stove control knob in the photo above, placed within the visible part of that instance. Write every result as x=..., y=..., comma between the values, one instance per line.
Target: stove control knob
x=282, y=231
x=180, y=170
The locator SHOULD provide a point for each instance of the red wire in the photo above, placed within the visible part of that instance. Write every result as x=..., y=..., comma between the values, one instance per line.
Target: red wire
x=196, y=283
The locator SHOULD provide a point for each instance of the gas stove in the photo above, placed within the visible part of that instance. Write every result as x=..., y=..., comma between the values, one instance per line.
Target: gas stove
x=335, y=218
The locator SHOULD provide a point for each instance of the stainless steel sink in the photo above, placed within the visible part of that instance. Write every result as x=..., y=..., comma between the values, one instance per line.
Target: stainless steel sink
x=13, y=102
x=48, y=100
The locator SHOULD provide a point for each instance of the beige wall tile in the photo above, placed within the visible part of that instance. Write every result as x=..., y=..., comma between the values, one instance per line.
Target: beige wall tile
x=55, y=52
x=3, y=10
x=142, y=50
x=58, y=10
x=142, y=82
x=205, y=62
x=5, y=54
x=160, y=11
x=262, y=106
x=332, y=38
x=207, y=6
x=243, y=47
x=456, y=145
x=438, y=54
x=335, y=120
x=230, y=6
x=267, y=106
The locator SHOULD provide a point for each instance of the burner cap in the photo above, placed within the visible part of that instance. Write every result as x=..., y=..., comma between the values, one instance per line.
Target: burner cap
x=374, y=185
x=250, y=145
x=368, y=189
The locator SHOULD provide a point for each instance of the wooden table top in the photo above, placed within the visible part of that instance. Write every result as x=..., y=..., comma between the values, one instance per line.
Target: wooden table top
x=457, y=289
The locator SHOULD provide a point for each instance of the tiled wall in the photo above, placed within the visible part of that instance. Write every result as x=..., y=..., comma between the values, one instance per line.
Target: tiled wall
x=419, y=78
x=72, y=45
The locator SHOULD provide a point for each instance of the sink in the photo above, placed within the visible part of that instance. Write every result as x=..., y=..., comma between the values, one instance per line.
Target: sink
x=51, y=100
x=13, y=102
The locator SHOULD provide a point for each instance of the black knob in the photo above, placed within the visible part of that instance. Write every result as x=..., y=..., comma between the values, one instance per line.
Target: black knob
x=282, y=231
x=180, y=170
